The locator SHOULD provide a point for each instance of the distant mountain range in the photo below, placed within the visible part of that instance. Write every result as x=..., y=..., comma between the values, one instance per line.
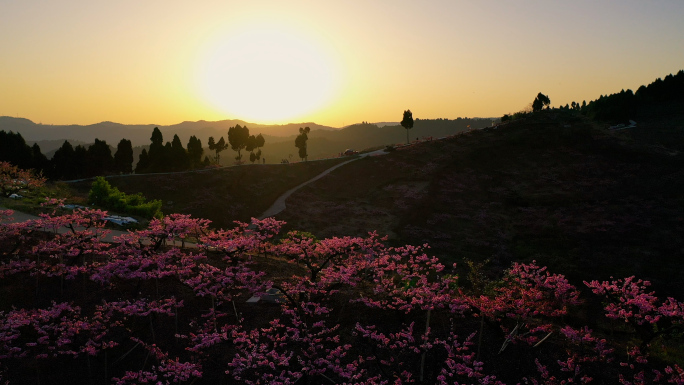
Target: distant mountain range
x=324, y=141
x=139, y=134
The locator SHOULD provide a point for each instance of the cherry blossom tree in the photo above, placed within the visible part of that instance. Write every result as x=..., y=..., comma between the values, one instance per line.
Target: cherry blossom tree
x=13, y=179
x=166, y=304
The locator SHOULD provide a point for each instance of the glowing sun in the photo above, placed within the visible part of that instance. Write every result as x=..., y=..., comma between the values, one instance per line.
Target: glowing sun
x=266, y=75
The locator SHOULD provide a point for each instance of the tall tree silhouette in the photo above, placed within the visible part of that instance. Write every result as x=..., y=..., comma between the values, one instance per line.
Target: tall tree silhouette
x=143, y=162
x=407, y=123
x=300, y=142
x=40, y=162
x=99, y=158
x=217, y=147
x=255, y=143
x=156, y=151
x=13, y=149
x=179, y=157
x=80, y=162
x=540, y=102
x=123, y=158
x=238, y=137
x=63, y=162
x=195, y=152
x=260, y=141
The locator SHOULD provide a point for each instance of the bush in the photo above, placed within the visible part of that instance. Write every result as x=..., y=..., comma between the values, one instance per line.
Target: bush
x=13, y=179
x=104, y=195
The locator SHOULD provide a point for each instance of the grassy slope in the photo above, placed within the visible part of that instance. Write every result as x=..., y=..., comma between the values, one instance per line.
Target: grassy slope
x=223, y=196
x=587, y=202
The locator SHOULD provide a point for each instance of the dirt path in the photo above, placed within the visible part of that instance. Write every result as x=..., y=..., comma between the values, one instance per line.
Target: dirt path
x=279, y=205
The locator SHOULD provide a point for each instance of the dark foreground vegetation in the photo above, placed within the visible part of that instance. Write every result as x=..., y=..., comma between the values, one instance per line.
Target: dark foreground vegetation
x=151, y=308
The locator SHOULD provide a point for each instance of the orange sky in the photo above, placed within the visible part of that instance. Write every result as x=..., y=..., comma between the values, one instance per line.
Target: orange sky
x=332, y=62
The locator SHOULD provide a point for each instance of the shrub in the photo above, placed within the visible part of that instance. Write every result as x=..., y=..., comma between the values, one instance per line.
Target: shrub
x=104, y=195
x=13, y=179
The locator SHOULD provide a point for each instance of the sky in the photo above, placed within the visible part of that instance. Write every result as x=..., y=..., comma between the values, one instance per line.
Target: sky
x=331, y=62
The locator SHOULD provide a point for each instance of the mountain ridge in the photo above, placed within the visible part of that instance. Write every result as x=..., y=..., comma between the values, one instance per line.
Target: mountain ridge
x=139, y=134
x=324, y=141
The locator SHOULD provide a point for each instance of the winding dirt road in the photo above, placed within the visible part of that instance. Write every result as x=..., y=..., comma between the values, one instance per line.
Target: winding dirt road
x=279, y=205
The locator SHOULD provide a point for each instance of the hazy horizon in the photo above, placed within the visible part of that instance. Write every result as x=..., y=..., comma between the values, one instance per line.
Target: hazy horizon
x=378, y=123
x=331, y=63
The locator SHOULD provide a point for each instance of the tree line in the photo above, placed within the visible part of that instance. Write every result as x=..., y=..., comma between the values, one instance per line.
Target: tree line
x=78, y=162
x=621, y=106
x=625, y=105
x=238, y=139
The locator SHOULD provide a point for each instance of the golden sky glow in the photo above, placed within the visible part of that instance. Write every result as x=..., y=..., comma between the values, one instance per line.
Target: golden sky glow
x=267, y=73
x=332, y=62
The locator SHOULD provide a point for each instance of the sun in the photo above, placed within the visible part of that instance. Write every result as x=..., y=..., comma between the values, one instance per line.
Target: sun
x=266, y=74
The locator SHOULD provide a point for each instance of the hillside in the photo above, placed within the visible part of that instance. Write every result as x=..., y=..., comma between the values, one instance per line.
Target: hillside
x=223, y=196
x=552, y=188
x=329, y=143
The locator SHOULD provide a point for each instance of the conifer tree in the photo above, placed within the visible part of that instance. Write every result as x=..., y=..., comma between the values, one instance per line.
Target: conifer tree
x=123, y=158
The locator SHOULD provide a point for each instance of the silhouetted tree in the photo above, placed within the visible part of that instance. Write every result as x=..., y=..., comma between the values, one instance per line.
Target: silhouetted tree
x=99, y=158
x=211, y=143
x=407, y=123
x=300, y=142
x=220, y=146
x=80, y=167
x=179, y=157
x=195, y=152
x=13, y=149
x=238, y=137
x=167, y=160
x=251, y=146
x=540, y=102
x=156, y=152
x=143, y=162
x=260, y=142
x=157, y=138
x=39, y=162
x=254, y=143
x=123, y=158
x=217, y=148
x=69, y=162
x=63, y=166
x=251, y=143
